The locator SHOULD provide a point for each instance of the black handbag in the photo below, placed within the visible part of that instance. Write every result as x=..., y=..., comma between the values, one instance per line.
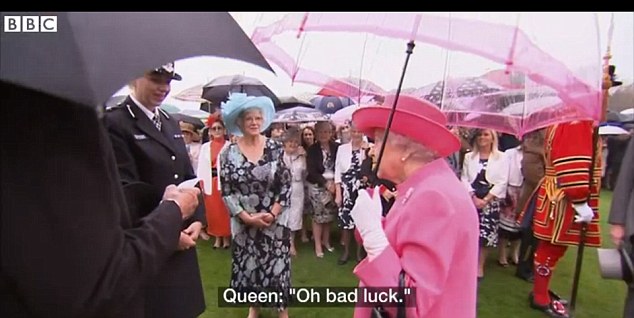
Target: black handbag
x=380, y=312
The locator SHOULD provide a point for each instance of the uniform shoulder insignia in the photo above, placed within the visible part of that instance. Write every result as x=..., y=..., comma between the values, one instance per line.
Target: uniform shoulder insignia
x=111, y=108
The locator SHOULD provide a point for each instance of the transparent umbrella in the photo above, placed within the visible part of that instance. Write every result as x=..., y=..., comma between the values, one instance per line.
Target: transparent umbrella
x=526, y=47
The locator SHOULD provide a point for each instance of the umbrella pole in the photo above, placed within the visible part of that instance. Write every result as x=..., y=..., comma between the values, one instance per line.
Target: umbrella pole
x=410, y=49
x=584, y=226
x=595, y=154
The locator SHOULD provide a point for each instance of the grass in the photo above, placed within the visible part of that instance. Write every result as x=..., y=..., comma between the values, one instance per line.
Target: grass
x=500, y=294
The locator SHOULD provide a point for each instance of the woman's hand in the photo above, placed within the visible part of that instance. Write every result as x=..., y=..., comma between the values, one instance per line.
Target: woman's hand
x=338, y=199
x=479, y=203
x=330, y=186
x=255, y=220
x=268, y=217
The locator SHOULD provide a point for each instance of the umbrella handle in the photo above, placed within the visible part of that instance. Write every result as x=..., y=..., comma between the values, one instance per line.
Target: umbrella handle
x=410, y=49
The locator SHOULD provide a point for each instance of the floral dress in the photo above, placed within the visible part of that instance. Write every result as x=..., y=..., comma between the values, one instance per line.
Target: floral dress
x=490, y=214
x=351, y=183
x=260, y=257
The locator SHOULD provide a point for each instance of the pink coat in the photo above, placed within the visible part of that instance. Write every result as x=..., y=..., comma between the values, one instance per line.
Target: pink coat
x=433, y=233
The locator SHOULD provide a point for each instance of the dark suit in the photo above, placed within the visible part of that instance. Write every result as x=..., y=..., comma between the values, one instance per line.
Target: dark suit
x=622, y=212
x=315, y=162
x=67, y=243
x=159, y=158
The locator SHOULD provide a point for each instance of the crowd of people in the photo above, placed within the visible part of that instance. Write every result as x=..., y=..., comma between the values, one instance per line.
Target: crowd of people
x=266, y=185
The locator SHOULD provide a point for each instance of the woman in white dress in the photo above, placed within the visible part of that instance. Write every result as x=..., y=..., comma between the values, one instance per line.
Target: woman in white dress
x=295, y=160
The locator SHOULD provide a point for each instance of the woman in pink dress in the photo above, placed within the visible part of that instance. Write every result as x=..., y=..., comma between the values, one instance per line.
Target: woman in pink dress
x=431, y=232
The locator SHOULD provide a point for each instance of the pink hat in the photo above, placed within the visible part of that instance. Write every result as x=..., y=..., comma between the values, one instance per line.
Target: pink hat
x=414, y=118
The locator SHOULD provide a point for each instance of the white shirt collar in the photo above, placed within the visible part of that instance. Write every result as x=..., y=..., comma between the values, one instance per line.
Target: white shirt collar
x=143, y=108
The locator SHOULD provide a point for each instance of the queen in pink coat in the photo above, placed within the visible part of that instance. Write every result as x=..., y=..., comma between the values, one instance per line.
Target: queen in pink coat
x=431, y=232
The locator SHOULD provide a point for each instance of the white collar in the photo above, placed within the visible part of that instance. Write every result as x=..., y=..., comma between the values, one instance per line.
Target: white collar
x=143, y=108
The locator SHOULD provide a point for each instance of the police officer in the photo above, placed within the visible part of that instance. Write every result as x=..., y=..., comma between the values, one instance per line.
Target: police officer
x=149, y=148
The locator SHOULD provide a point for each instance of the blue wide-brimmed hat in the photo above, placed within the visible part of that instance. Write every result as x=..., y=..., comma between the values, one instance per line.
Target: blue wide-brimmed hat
x=238, y=103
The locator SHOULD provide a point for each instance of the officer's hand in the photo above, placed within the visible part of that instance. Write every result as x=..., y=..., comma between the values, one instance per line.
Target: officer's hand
x=185, y=242
x=185, y=198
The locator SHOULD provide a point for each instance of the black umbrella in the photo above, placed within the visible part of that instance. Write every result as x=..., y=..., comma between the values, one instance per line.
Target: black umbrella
x=93, y=54
x=292, y=102
x=218, y=90
x=197, y=122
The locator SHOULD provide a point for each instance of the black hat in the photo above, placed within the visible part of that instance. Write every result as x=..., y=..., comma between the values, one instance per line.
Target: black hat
x=167, y=69
x=611, y=70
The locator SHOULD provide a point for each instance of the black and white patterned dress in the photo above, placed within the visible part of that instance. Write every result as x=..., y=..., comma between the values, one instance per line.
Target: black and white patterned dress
x=260, y=257
x=322, y=200
x=350, y=184
x=490, y=214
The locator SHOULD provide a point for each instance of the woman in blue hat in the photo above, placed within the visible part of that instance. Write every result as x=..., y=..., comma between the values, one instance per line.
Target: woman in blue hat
x=256, y=190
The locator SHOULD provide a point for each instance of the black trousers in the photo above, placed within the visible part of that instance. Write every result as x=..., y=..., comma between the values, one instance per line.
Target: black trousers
x=528, y=246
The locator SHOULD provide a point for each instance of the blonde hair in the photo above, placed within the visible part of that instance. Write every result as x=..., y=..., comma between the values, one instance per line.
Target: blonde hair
x=495, y=152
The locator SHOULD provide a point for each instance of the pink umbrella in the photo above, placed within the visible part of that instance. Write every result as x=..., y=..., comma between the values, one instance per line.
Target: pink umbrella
x=343, y=115
x=317, y=48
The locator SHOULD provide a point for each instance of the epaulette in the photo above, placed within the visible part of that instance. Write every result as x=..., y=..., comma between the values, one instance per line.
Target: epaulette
x=122, y=106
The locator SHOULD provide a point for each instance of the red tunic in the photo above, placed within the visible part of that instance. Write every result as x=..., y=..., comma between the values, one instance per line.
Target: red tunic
x=568, y=157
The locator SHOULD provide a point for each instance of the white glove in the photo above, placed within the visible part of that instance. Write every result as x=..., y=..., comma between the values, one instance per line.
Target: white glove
x=584, y=212
x=366, y=214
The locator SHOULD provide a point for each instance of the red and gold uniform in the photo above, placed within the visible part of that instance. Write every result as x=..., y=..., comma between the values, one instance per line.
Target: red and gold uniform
x=568, y=158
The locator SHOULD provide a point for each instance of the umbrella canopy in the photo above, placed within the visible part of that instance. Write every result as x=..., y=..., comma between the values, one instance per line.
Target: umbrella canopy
x=330, y=104
x=343, y=115
x=524, y=46
x=621, y=97
x=612, y=130
x=297, y=109
x=191, y=94
x=298, y=115
x=293, y=102
x=218, y=90
x=197, y=122
x=352, y=87
x=93, y=54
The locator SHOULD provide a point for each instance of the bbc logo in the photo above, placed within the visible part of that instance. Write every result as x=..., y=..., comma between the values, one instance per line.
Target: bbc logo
x=33, y=23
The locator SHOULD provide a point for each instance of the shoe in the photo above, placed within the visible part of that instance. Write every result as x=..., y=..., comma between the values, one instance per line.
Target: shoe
x=305, y=240
x=555, y=296
x=330, y=249
x=319, y=255
x=480, y=278
x=342, y=260
x=226, y=246
x=555, y=309
x=503, y=264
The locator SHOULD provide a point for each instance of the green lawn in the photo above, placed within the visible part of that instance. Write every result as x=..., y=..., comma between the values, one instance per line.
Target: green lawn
x=500, y=294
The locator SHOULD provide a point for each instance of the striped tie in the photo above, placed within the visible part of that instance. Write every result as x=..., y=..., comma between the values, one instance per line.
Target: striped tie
x=157, y=120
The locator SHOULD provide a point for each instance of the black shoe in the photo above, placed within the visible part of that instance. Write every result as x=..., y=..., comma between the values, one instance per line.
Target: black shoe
x=342, y=260
x=554, y=296
x=555, y=309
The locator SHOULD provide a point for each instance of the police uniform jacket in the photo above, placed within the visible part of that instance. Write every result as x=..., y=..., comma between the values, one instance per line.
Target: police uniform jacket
x=159, y=158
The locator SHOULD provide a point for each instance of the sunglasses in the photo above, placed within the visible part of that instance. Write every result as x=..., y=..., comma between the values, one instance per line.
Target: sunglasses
x=216, y=128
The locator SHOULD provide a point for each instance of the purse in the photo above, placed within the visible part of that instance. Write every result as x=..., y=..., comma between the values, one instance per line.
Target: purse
x=380, y=312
